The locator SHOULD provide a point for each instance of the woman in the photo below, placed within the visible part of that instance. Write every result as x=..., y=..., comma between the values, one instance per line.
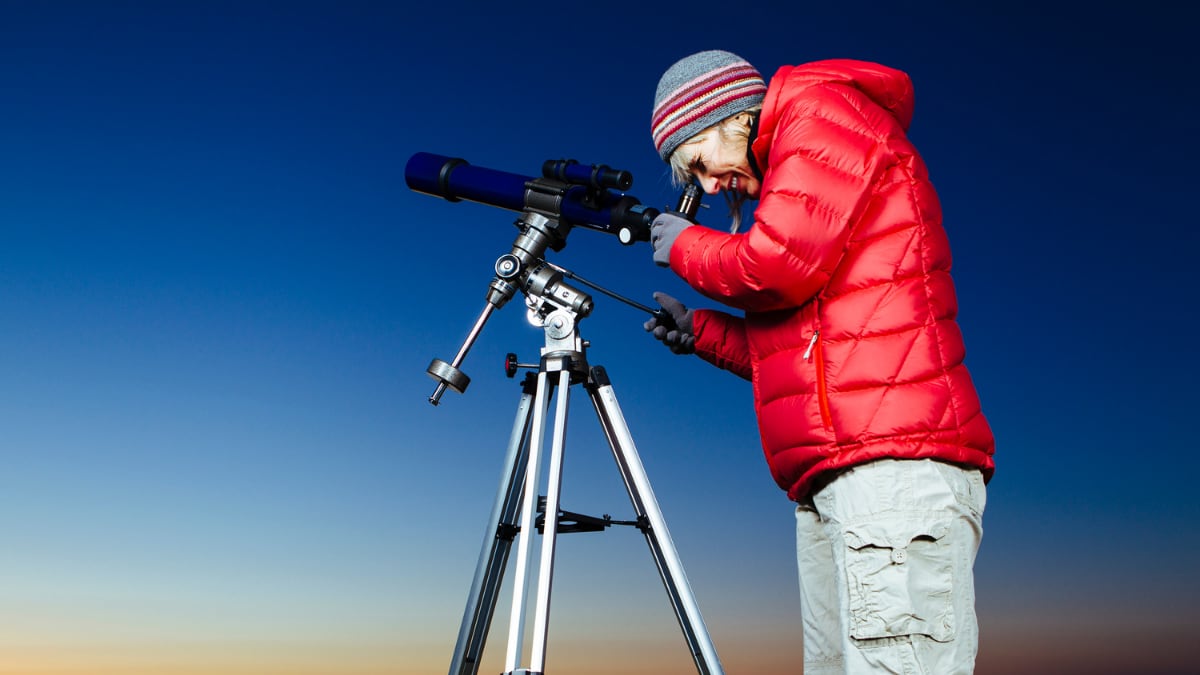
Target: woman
x=868, y=417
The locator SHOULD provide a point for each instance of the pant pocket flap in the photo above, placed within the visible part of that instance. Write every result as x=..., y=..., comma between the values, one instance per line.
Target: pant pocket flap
x=895, y=534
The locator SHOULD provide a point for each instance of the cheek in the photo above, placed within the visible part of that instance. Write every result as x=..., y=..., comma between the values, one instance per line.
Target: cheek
x=733, y=156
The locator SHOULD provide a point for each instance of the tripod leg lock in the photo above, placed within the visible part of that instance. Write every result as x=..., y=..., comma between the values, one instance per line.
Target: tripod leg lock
x=507, y=531
x=600, y=377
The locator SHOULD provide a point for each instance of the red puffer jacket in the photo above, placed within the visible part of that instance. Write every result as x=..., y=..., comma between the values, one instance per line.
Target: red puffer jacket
x=849, y=334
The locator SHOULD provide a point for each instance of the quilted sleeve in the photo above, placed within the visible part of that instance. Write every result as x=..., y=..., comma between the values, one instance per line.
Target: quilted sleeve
x=721, y=340
x=828, y=149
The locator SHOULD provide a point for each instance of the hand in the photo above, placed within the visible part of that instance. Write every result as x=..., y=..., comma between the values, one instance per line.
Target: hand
x=676, y=330
x=663, y=231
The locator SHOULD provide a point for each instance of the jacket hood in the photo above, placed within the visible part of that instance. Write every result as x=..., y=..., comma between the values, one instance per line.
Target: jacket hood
x=888, y=88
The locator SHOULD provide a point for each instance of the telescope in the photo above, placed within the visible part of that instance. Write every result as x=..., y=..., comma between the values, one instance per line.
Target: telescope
x=567, y=194
x=567, y=191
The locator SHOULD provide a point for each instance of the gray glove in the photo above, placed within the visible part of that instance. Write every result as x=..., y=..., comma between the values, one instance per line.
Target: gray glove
x=675, y=332
x=663, y=231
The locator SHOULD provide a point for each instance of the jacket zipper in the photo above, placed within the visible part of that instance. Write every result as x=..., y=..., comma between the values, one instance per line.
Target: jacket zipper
x=811, y=343
x=822, y=393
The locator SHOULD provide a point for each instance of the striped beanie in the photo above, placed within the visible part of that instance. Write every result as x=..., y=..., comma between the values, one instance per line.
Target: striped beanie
x=700, y=91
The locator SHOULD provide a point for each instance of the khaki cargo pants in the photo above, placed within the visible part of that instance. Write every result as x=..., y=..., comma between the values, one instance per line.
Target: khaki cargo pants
x=886, y=553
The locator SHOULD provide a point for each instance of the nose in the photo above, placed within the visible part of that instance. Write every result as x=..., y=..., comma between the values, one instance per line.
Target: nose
x=709, y=184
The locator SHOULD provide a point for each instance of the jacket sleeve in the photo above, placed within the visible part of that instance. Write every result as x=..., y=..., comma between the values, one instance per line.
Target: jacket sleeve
x=721, y=340
x=824, y=157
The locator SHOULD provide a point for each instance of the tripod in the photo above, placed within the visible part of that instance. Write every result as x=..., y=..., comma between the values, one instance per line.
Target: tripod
x=558, y=307
x=562, y=365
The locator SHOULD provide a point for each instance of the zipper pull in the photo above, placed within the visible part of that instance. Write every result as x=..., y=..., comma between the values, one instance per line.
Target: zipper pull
x=811, y=343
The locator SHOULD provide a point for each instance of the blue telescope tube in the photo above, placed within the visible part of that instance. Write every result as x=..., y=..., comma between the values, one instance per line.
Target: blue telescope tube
x=454, y=179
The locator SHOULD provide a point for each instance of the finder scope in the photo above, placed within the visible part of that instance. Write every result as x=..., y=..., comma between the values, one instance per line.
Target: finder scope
x=574, y=194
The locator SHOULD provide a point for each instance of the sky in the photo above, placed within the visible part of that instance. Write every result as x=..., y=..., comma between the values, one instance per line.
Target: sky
x=218, y=299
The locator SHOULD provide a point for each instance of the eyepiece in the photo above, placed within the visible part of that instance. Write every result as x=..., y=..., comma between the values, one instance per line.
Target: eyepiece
x=689, y=201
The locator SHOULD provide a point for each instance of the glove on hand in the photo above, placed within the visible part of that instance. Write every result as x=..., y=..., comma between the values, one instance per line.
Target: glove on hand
x=663, y=231
x=678, y=338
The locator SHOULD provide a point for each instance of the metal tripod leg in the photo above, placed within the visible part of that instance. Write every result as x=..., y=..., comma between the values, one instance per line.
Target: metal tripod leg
x=519, y=487
x=497, y=542
x=687, y=611
x=550, y=529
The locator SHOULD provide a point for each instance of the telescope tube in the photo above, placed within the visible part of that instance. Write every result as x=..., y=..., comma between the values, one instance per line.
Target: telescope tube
x=454, y=179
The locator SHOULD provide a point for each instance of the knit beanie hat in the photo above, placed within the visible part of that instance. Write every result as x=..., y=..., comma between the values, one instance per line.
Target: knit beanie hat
x=699, y=91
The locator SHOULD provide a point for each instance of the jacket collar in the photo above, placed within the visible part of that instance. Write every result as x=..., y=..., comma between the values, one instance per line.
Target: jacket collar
x=754, y=165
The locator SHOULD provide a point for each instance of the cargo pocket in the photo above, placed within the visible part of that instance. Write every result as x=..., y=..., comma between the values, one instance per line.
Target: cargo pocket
x=900, y=580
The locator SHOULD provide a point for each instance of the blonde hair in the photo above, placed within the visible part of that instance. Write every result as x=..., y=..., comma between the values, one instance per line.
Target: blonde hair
x=734, y=130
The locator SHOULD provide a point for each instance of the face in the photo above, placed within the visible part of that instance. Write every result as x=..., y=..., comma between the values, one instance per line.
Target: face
x=721, y=165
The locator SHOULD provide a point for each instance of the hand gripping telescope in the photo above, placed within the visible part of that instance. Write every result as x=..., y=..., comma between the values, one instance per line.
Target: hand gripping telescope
x=567, y=194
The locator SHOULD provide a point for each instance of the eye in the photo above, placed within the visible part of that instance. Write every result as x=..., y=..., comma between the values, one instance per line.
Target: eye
x=697, y=164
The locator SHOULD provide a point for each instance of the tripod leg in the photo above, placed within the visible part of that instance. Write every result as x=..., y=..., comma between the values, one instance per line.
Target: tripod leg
x=541, y=623
x=516, y=625
x=497, y=541
x=687, y=611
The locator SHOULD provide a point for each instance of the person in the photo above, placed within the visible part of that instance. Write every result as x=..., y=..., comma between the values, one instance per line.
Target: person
x=847, y=331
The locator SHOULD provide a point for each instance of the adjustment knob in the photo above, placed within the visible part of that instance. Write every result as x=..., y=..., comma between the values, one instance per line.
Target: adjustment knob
x=508, y=266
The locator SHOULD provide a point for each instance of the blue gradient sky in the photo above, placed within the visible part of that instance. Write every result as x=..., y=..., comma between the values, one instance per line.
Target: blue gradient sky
x=218, y=301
